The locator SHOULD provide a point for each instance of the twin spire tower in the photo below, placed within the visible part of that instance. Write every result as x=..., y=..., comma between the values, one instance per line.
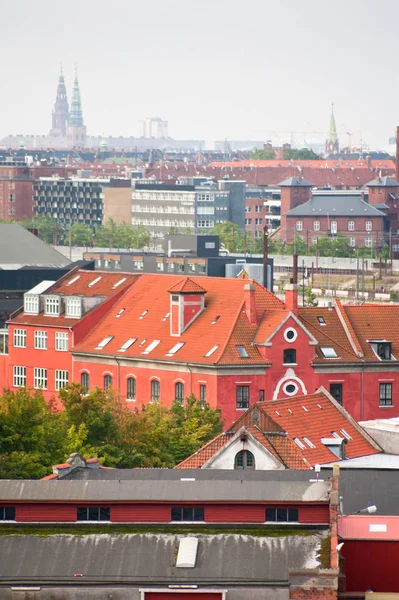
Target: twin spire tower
x=68, y=123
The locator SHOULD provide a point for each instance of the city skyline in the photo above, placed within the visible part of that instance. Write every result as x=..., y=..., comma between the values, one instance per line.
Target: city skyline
x=226, y=71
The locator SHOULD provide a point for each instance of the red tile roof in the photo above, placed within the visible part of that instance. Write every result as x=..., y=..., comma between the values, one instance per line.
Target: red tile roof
x=145, y=316
x=313, y=417
x=187, y=285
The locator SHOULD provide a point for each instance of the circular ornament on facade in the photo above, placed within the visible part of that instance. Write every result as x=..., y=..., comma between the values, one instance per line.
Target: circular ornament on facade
x=290, y=335
x=290, y=388
x=255, y=416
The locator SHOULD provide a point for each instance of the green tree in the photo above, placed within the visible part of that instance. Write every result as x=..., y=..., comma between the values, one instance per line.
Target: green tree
x=310, y=297
x=230, y=235
x=302, y=154
x=80, y=235
x=298, y=246
x=262, y=154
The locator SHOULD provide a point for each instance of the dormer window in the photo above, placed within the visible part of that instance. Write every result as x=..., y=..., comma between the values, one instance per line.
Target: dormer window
x=73, y=307
x=31, y=304
x=52, y=306
x=382, y=349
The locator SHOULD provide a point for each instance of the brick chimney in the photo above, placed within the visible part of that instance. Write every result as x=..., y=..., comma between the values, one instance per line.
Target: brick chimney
x=250, y=305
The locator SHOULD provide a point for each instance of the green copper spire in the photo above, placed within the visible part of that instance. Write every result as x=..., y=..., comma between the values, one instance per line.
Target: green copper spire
x=75, y=115
x=332, y=133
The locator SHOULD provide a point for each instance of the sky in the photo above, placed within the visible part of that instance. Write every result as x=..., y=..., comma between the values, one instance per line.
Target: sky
x=214, y=69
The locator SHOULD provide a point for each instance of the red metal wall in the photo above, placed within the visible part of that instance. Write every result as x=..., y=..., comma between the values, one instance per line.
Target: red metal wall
x=371, y=565
x=182, y=596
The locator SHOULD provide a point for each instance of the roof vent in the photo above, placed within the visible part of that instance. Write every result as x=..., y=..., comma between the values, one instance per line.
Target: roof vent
x=187, y=554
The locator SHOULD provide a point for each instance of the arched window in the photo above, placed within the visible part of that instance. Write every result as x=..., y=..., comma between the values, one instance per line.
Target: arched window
x=244, y=460
x=155, y=390
x=85, y=382
x=179, y=392
x=107, y=382
x=131, y=388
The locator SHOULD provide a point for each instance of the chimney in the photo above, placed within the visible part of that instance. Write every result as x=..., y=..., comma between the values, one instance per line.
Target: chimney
x=250, y=305
x=362, y=196
x=397, y=154
x=291, y=289
x=295, y=269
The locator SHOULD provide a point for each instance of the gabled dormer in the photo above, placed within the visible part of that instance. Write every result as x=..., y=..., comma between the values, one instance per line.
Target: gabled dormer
x=33, y=299
x=187, y=301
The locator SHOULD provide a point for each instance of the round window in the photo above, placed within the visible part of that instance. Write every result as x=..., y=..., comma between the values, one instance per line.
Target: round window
x=290, y=388
x=290, y=335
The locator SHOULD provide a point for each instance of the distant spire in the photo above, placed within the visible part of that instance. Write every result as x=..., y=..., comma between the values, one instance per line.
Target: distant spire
x=61, y=109
x=332, y=134
x=61, y=77
x=76, y=116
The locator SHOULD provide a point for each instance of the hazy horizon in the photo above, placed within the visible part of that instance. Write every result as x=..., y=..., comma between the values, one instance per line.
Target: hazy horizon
x=214, y=70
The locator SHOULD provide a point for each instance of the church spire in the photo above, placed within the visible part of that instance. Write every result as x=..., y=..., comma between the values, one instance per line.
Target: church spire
x=76, y=116
x=60, y=113
x=332, y=141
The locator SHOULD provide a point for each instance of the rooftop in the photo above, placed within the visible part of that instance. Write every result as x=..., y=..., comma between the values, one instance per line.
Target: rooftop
x=335, y=206
x=21, y=248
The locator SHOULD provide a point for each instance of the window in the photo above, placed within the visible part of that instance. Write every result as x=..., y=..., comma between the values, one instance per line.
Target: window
x=41, y=340
x=19, y=376
x=369, y=226
x=7, y=513
x=202, y=393
x=61, y=341
x=179, y=392
x=19, y=338
x=160, y=266
x=290, y=335
x=351, y=225
x=4, y=341
x=336, y=392
x=308, y=442
x=248, y=221
x=244, y=460
x=52, y=305
x=40, y=378
x=368, y=242
x=31, y=304
x=258, y=221
x=321, y=320
x=242, y=397
x=242, y=351
x=138, y=265
x=316, y=225
x=155, y=390
x=104, y=342
x=211, y=351
x=131, y=389
x=352, y=242
x=290, y=389
x=107, y=382
x=93, y=513
x=261, y=395
x=61, y=379
x=282, y=515
x=73, y=307
x=328, y=352
x=382, y=349
x=85, y=382
x=187, y=513
x=289, y=356
x=334, y=227
x=385, y=394
x=299, y=225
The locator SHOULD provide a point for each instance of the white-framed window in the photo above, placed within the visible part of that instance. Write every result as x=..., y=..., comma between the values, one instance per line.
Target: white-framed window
x=316, y=225
x=40, y=340
x=369, y=226
x=61, y=379
x=351, y=225
x=299, y=225
x=52, y=305
x=334, y=227
x=248, y=221
x=31, y=304
x=61, y=341
x=19, y=338
x=368, y=242
x=19, y=376
x=73, y=307
x=258, y=221
x=40, y=378
x=352, y=242
x=205, y=223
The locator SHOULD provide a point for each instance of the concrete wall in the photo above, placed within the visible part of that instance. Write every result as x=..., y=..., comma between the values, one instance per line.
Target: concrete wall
x=118, y=204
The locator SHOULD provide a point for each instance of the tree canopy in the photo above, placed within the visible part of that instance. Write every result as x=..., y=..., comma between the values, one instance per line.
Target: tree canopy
x=34, y=436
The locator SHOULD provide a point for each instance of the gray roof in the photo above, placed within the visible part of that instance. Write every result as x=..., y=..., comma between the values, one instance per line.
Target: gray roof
x=360, y=488
x=164, y=490
x=19, y=248
x=383, y=182
x=335, y=206
x=294, y=182
x=150, y=559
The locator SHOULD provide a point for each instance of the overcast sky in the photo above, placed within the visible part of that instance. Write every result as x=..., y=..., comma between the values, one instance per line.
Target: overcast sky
x=214, y=69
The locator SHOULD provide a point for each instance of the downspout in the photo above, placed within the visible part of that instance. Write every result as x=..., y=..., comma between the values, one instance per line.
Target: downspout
x=362, y=394
x=73, y=360
x=118, y=377
x=191, y=378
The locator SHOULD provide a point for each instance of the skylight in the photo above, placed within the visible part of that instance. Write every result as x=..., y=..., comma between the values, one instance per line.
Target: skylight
x=73, y=280
x=328, y=352
x=104, y=342
x=242, y=352
x=143, y=314
x=122, y=310
x=151, y=346
x=299, y=443
x=345, y=434
x=118, y=283
x=96, y=280
x=211, y=351
x=127, y=344
x=215, y=320
x=308, y=442
x=321, y=320
x=175, y=349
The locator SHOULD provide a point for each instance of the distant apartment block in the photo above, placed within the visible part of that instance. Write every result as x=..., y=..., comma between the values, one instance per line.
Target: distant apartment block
x=153, y=128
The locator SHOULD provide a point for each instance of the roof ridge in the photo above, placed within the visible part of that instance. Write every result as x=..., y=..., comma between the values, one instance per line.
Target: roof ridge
x=348, y=328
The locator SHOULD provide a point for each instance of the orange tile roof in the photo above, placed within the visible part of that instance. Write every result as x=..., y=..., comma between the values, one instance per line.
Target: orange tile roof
x=374, y=322
x=78, y=283
x=313, y=417
x=145, y=316
x=187, y=285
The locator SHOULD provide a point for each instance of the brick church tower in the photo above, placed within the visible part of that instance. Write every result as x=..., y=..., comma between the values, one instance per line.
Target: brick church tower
x=76, y=131
x=60, y=113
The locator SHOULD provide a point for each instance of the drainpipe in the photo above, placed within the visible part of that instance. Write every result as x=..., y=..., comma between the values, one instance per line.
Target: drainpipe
x=119, y=377
x=72, y=345
x=362, y=395
x=190, y=379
